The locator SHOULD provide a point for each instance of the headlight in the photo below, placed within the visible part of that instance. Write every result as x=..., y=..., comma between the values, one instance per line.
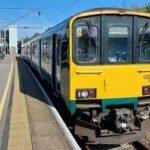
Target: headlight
x=85, y=93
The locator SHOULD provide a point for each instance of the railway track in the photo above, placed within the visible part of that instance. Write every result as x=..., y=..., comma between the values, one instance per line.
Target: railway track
x=132, y=146
x=143, y=144
x=145, y=140
x=139, y=146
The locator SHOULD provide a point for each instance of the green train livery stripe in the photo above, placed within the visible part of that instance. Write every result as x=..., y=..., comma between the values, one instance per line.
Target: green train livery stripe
x=119, y=101
x=72, y=106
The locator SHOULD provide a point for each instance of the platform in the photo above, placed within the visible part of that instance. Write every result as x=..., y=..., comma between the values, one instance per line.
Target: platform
x=32, y=125
x=6, y=84
x=5, y=65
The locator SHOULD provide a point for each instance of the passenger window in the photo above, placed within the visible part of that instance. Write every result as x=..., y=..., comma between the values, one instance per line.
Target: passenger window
x=86, y=44
x=144, y=44
x=118, y=44
x=64, y=50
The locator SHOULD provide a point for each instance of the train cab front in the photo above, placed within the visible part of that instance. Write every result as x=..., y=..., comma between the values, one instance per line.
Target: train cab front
x=110, y=75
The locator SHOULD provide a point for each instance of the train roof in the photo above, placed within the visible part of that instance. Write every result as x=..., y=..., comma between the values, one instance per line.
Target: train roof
x=35, y=38
x=55, y=28
x=104, y=10
x=109, y=10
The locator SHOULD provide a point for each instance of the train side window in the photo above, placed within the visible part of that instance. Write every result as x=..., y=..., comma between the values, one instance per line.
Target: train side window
x=58, y=42
x=144, y=44
x=86, y=44
x=64, y=49
x=118, y=44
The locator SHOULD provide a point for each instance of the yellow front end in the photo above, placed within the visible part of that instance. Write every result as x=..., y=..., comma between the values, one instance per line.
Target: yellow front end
x=111, y=81
x=123, y=81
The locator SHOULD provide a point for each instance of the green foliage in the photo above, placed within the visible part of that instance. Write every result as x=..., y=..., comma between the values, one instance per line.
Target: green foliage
x=143, y=9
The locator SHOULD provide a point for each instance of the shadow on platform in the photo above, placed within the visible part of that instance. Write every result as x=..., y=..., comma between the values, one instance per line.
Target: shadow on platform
x=27, y=83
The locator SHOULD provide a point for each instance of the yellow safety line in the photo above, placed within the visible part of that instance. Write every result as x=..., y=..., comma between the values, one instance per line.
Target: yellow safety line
x=19, y=132
x=3, y=100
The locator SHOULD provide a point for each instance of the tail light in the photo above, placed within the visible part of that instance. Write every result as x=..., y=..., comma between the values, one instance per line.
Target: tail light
x=85, y=93
x=146, y=90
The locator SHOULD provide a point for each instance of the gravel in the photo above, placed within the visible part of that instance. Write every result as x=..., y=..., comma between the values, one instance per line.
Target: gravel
x=145, y=140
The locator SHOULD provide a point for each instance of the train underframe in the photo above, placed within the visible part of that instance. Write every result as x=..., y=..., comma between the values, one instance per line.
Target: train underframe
x=117, y=124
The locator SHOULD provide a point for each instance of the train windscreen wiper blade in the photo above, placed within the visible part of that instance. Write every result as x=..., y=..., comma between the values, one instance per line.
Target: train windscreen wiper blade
x=92, y=31
x=141, y=38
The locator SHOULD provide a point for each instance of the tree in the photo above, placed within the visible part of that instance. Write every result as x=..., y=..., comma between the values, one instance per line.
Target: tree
x=143, y=9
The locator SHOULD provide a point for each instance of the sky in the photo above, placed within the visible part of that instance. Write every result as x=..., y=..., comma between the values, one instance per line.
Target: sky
x=52, y=12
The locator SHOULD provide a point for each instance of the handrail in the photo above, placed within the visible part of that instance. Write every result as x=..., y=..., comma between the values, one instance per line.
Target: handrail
x=143, y=70
x=88, y=72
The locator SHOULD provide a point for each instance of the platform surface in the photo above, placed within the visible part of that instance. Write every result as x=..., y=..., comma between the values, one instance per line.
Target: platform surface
x=5, y=65
x=32, y=125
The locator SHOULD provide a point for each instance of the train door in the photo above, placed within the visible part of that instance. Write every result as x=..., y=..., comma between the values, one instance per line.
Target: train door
x=117, y=54
x=56, y=63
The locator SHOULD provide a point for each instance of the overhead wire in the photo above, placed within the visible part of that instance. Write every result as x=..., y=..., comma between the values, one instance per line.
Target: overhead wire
x=51, y=4
x=20, y=18
x=28, y=27
x=17, y=8
x=42, y=16
x=64, y=10
x=35, y=9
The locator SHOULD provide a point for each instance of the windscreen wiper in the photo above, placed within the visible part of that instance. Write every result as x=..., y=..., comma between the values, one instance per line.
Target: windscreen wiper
x=92, y=31
x=141, y=38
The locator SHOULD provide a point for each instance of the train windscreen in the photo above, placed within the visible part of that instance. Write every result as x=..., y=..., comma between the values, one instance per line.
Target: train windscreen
x=118, y=44
x=144, y=44
x=86, y=44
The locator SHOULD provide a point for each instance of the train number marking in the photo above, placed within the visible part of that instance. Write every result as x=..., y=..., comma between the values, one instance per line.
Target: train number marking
x=147, y=77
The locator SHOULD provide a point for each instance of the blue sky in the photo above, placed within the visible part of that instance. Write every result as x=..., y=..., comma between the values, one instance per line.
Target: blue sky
x=52, y=11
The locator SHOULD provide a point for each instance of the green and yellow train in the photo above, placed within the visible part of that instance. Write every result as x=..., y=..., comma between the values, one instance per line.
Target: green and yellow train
x=98, y=62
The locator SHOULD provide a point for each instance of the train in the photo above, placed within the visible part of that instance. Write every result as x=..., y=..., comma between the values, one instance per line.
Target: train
x=98, y=62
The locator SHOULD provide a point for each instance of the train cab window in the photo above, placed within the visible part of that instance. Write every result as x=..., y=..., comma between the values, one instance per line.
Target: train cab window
x=118, y=44
x=144, y=44
x=86, y=44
